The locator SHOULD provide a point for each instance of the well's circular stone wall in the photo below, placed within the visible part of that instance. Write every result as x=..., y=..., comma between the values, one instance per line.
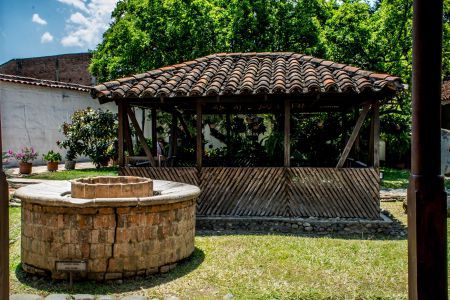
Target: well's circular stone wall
x=111, y=187
x=120, y=237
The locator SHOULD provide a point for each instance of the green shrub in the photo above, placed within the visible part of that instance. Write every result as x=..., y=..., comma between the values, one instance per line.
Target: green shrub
x=92, y=133
x=52, y=156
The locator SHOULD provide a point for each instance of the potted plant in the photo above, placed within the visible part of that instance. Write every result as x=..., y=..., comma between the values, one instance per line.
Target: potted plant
x=52, y=158
x=25, y=158
x=70, y=162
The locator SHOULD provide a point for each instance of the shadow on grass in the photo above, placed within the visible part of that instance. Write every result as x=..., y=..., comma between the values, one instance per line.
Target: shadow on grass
x=396, y=231
x=48, y=285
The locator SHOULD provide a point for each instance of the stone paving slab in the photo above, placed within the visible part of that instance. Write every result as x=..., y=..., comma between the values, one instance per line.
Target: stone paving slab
x=83, y=297
x=107, y=297
x=25, y=297
x=389, y=195
x=94, y=297
x=58, y=297
x=76, y=297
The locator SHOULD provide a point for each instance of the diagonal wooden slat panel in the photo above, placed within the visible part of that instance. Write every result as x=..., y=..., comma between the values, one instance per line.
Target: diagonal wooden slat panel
x=330, y=192
x=277, y=192
x=242, y=192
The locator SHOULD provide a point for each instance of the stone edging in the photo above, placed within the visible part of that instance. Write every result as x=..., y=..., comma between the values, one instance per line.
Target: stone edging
x=321, y=226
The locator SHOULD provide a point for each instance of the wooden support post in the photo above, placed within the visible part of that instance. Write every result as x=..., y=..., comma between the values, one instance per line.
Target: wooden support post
x=427, y=199
x=154, y=134
x=374, y=144
x=183, y=124
x=140, y=136
x=356, y=145
x=228, y=133
x=127, y=132
x=4, y=231
x=287, y=133
x=173, y=136
x=199, y=151
x=143, y=121
x=353, y=136
x=120, y=136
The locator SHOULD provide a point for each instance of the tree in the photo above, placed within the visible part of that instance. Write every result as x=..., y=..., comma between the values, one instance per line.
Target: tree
x=149, y=34
x=373, y=35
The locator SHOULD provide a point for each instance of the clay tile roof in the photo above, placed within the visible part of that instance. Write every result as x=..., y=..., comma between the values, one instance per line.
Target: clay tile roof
x=247, y=74
x=446, y=91
x=45, y=83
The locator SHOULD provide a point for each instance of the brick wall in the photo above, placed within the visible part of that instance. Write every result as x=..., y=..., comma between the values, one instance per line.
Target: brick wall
x=71, y=68
x=116, y=242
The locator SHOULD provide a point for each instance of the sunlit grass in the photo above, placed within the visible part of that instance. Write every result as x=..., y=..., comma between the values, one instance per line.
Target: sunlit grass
x=398, y=179
x=256, y=266
x=72, y=174
x=259, y=267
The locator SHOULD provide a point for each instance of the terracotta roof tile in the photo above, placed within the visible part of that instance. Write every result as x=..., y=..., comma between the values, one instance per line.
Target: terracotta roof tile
x=248, y=73
x=47, y=83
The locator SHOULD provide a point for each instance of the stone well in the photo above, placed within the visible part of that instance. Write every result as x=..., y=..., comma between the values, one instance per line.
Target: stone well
x=121, y=231
x=111, y=187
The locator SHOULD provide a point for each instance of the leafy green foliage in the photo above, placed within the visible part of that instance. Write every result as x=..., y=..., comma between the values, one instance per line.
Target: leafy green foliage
x=255, y=140
x=92, y=133
x=149, y=34
x=52, y=156
x=373, y=35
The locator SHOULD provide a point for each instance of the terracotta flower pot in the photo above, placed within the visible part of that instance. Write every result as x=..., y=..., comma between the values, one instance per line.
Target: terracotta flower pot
x=52, y=166
x=25, y=168
x=69, y=165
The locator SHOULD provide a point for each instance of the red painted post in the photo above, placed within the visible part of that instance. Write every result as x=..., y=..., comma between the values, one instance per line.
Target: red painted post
x=427, y=207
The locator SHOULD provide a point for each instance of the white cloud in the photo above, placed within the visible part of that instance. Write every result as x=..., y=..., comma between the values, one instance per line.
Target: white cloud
x=71, y=41
x=37, y=19
x=46, y=37
x=75, y=3
x=78, y=18
x=86, y=26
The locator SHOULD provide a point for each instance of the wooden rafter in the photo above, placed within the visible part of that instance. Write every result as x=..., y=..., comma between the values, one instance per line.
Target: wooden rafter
x=140, y=136
x=127, y=133
x=353, y=136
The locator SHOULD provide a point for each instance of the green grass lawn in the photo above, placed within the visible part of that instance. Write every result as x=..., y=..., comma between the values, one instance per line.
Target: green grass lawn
x=72, y=174
x=398, y=179
x=258, y=267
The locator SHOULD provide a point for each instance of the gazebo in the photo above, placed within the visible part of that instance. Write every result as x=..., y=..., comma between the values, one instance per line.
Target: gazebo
x=254, y=83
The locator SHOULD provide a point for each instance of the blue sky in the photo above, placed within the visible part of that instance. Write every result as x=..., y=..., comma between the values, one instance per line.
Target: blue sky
x=31, y=28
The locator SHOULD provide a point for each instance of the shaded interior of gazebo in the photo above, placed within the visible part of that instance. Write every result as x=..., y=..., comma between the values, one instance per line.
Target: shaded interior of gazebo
x=257, y=83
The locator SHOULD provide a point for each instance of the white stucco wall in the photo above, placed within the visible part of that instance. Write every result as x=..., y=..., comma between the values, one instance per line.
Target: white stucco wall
x=32, y=115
